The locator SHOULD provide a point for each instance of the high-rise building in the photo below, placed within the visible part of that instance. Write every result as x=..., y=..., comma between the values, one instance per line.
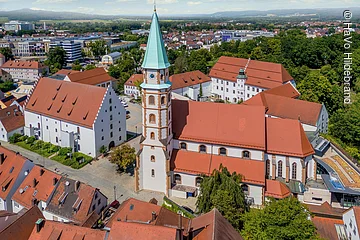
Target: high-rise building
x=72, y=49
x=19, y=26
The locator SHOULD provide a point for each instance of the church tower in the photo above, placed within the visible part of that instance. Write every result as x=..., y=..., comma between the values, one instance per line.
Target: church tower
x=153, y=161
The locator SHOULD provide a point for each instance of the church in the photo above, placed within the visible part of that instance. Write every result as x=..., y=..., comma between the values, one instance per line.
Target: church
x=183, y=141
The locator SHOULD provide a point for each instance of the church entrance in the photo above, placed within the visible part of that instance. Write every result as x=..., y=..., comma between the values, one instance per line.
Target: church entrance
x=111, y=145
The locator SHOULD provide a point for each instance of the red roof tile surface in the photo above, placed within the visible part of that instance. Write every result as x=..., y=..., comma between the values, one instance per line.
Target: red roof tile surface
x=67, y=101
x=285, y=90
x=63, y=231
x=66, y=72
x=23, y=64
x=253, y=171
x=276, y=189
x=9, y=170
x=136, y=231
x=285, y=107
x=188, y=79
x=261, y=74
x=325, y=227
x=43, y=188
x=91, y=77
x=12, y=118
x=225, y=124
x=133, y=79
x=287, y=137
x=326, y=210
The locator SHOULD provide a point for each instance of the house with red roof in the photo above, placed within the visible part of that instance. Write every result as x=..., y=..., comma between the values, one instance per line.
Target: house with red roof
x=28, y=71
x=11, y=122
x=76, y=115
x=130, y=86
x=235, y=79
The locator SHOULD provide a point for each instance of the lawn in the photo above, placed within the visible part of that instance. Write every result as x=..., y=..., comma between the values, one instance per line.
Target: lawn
x=45, y=152
x=76, y=161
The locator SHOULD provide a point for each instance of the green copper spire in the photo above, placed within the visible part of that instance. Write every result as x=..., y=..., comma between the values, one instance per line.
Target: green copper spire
x=155, y=56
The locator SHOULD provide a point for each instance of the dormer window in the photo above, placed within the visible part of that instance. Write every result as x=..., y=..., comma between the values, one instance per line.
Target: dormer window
x=202, y=149
x=222, y=151
x=183, y=146
x=246, y=154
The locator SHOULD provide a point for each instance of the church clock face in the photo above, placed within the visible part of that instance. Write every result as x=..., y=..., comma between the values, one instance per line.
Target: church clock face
x=152, y=76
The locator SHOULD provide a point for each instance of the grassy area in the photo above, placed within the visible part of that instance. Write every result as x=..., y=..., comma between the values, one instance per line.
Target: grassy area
x=172, y=206
x=130, y=136
x=76, y=161
x=45, y=152
x=350, y=150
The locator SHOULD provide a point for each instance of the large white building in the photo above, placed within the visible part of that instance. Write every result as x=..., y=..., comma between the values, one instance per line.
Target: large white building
x=184, y=140
x=75, y=115
x=239, y=79
x=28, y=71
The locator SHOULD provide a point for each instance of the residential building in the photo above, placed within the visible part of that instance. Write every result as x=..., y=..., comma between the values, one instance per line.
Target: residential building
x=74, y=201
x=130, y=87
x=184, y=140
x=62, y=74
x=18, y=26
x=22, y=90
x=351, y=220
x=5, y=76
x=7, y=101
x=193, y=85
x=28, y=71
x=313, y=116
x=11, y=122
x=36, y=190
x=96, y=77
x=110, y=59
x=235, y=79
x=23, y=226
x=6, y=218
x=2, y=59
x=29, y=48
x=19, y=103
x=71, y=114
x=14, y=168
x=72, y=49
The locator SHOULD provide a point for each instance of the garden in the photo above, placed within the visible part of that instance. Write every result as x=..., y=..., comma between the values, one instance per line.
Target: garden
x=64, y=156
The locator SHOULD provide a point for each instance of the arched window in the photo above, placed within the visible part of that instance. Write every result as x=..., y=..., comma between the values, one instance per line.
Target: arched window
x=183, y=146
x=280, y=168
x=246, y=154
x=198, y=181
x=152, y=135
x=110, y=101
x=268, y=168
x=222, y=151
x=151, y=100
x=245, y=189
x=162, y=100
x=152, y=158
x=152, y=118
x=202, y=149
x=177, y=178
x=293, y=171
x=152, y=172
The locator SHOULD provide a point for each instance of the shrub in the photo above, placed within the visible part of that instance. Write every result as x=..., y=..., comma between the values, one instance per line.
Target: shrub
x=47, y=146
x=23, y=138
x=15, y=138
x=31, y=140
x=103, y=149
x=65, y=151
x=54, y=148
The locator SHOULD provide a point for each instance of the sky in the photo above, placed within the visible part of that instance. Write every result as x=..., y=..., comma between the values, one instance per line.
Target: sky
x=167, y=7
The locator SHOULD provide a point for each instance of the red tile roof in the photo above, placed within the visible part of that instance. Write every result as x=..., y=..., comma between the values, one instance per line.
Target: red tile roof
x=261, y=74
x=134, y=78
x=325, y=227
x=225, y=124
x=276, y=189
x=253, y=171
x=284, y=107
x=285, y=90
x=326, y=210
x=91, y=77
x=63, y=231
x=22, y=227
x=137, y=231
x=287, y=137
x=9, y=170
x=23, y=64
x=43, y=188
x=68, y=101
x=213, y=225
x=188, y=79
x=66, y=72
x=12, y=118
x=8, y=100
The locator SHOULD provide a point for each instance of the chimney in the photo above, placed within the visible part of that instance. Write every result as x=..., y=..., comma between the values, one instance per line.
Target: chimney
x=2, y=158
x=34, y=182
x=180, y=235
x=77, y=186
x=41, y=171
x=33, y=201
x=54, y=181
x=39, y=224
x=153, y=216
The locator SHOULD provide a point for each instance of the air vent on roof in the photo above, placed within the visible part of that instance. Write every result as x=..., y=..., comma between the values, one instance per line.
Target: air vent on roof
x=34, y=102
x=25, y=188
x=184, y=80
x=192, y=79
x=69, y=113
x=11, y=170
x=55, y=96
x=21, y=191
x=73, y=103
x=49, y=107
x=77, y=204
x=59, y=87
x=35, y=192
x=84, y=118
x=199, y=77
x=63, y=100
x=62, y=198
x=59, y=109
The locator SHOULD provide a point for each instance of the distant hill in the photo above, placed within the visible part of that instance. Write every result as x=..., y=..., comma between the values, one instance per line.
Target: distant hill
x=36, y=15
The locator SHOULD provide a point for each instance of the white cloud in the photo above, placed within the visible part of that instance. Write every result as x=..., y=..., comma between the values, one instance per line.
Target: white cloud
x=194, y=3
x=85, y=9
x=53, y=1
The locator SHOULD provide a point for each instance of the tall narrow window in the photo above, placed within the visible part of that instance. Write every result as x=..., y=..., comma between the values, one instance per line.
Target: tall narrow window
x=151, y=100
x=202, y=149
x=222, y=151
x=162, y=100
x=110, y=100
x=152, y=135
x=152, y=172
x=293, y=172
x=152, y=158
x=268, y=168
x=152, y=118
x=280, y=168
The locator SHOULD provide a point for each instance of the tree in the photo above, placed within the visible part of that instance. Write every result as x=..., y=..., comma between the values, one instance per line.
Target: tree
x=98, y=48
x=6, y=52
x=76, y=66
x=56, y=59
x=280, y=219
x=123, y=156
x=103, y=149
x=222, y=190
x=90, y=66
